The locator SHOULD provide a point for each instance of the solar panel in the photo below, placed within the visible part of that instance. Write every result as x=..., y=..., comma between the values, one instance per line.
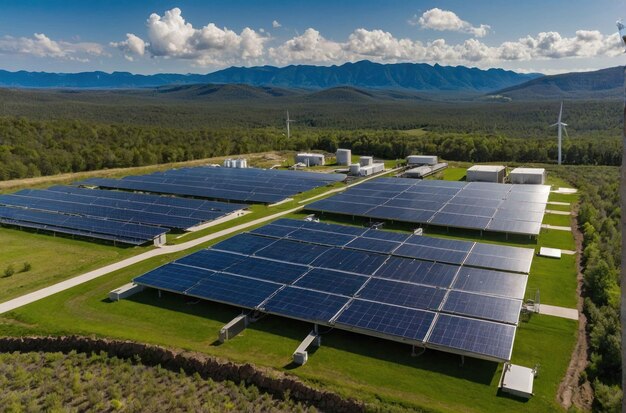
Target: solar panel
x=373, y=245
x=501, y=309
x=230, y=289
x=431, y=254
x=305, y=304
x=295, y=252
x=320, y=237
x=211, y=260
x=353, y=261
x=478, y=337
x=176, y=278
x=403, y=294
x=386, y=235
x=266, y=270
x=419, y=272
x=331, y=281
x=274, y=231
x=477, y=206
x=499, y=283
x=244, y=244
x=388, y=320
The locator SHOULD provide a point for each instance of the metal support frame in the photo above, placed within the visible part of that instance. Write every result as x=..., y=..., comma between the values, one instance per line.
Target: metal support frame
x=301, y=355
x=234, y=327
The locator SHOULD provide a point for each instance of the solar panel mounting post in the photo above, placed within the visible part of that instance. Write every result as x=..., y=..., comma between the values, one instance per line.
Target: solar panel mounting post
x=301, y=355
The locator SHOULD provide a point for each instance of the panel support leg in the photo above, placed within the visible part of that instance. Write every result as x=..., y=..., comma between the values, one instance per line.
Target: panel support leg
x=301, y=355
x=234, y=327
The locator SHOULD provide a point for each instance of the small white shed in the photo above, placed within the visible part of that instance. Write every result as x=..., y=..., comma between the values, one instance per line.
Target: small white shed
x=486, y=173
x=535, y=176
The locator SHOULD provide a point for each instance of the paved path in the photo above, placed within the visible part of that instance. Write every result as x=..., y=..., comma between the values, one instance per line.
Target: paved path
x=168, y=249
x=551, y=211
x=568, y=252
x=570, y=313
x=558, y=203
x=557, y=227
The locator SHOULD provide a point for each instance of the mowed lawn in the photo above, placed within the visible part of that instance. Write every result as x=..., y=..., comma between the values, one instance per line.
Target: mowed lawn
x=374, y=370
x=52, y=259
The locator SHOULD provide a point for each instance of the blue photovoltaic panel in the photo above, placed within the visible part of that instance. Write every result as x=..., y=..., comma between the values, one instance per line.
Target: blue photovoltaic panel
x=484, y=338
x=499, y=262
x=235, y=290
x=407, y=323
x=279, y=272
x=293, y=251
x=403, y=294
x=211, y=260
x=346, y=208
x=469, y=210
x=419, y=272
x=373, y=245
x=334, y=228
x=460, y=221
x=335, y=282
x=360, y=262
x=515, y=227
x=172, y=277
x=430, y=254
x=491, y=282
x=320, y=237
x=305, y=304
x=386, y=235
x=274, y=231
x=400, y=214
x=477, y=202
x=443, y=243
x=244, y=244
x=505, y=310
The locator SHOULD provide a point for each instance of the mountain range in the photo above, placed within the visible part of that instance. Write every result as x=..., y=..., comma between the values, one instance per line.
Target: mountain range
x=363, y=74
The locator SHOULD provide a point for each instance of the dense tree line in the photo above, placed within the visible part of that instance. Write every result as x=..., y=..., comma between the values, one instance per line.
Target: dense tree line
x=31, y=148
x=599, y=220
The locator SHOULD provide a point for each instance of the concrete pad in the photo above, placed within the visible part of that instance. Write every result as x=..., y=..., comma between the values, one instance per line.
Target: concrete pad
x=557, y=227
x=569, y=313
x=557, y=203
x=550, y=211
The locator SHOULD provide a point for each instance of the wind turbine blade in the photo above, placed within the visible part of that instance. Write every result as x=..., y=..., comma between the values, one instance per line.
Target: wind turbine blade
x=554, y=124
x=565, y=129
x=561, y=112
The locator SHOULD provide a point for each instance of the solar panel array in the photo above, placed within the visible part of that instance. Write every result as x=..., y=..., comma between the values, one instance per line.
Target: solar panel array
x=105, y=214
x=327, y=274
x=241, y=185
x=515, y=209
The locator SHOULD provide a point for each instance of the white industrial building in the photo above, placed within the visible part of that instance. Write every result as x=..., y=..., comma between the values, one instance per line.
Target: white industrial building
x=366, y=167
x=421, y=160
x=310, y=159
x=344, y=157
x=486, y=173
x=535, y=176
x=235, y=163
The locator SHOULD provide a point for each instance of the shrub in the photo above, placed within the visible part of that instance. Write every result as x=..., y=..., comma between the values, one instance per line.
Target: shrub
x=9, y=271
x=26, y=267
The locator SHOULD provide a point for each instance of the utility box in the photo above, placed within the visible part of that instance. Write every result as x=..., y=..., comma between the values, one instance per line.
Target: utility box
x=366, y=160
x=344, y=157
x=486, y=173
x=125, y=291
x=534, y=176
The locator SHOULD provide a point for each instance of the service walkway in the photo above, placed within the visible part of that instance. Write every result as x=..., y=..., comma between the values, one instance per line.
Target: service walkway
x=569, y=313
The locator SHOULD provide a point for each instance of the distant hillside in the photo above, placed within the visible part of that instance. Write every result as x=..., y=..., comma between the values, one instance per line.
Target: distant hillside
x=605, y=83
x=222, y=92
x=364, y=74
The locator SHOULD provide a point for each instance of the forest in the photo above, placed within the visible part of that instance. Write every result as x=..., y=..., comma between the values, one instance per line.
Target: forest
x=599, y=221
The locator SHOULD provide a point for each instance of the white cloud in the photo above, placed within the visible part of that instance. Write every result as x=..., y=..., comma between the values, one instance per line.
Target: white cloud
x=311, y=47
x=41, y=45
x=133, y=45
x=276, y=24
x=170, y=36
x=445, y=20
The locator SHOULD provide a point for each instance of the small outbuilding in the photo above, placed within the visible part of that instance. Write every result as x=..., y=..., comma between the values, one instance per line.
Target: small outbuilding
x=534, y=176
x=421, y=160
x=486, y=173
x=517, y=380
x=344, y=157
x=310, y=159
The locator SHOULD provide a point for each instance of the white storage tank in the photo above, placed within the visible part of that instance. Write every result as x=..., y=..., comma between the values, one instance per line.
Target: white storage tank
x=355, y=169
x=227, y=163
x=344, y=157
x=366, y=160
x=534, y=176
x=421, y=160
x=486, y=173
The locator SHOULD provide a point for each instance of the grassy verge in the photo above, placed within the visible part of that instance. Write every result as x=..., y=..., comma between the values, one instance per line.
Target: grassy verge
x=559, y=220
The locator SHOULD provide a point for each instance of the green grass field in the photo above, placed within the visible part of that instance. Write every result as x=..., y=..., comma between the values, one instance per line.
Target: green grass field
x=559, y=220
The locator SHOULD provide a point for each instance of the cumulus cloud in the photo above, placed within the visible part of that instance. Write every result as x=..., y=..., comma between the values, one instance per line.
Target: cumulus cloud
x=379, y=45
x=170, y=36
x=41, y=45
x=446, y=20
x=311, y=46
x=276, y=24
x=133, y=45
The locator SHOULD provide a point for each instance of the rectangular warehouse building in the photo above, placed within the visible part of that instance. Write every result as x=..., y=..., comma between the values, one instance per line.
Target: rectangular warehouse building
x=310, y=159
x=421, y=160
x=534, y=176
x=486, y=173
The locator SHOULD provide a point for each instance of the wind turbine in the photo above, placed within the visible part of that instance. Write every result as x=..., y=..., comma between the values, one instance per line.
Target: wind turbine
x=561, y=126
x=288, y=121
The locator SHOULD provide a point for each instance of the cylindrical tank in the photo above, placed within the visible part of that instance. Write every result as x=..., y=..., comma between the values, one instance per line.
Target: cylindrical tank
x=355, y=169
x=344, y=156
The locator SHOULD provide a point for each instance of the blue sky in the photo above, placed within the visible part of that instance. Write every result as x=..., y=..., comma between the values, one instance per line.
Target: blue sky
x=203, y=36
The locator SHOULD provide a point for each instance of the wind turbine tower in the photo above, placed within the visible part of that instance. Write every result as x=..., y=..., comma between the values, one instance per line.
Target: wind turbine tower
x=561, y=127
x=288, y=121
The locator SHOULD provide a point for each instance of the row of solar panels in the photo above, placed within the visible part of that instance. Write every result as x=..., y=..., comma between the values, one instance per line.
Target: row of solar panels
x=241, y=185
x=449, y=307
x=506, y=208
x=109, y=215
x=498, y=257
